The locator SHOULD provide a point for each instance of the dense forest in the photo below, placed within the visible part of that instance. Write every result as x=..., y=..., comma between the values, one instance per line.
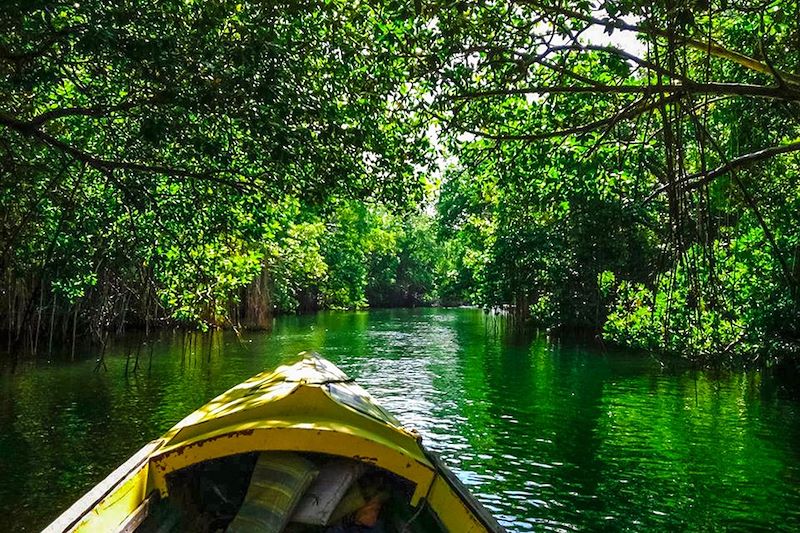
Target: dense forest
x=621, y=167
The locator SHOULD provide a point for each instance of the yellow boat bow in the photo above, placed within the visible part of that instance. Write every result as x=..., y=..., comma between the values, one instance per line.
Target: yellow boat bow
x=310, y=406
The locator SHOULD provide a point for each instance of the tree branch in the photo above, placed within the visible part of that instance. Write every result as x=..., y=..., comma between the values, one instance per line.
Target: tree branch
x=623, y=54
x=740, y=89
x=17, y=57
x=693, y=181
x=709, y=47
x=96, y=112
x=627, y=113
x=30, y=129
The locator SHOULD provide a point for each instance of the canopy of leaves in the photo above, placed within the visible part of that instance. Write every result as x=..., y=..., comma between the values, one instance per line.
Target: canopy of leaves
x=619, y=165
x=154, y=152
x=620, y=144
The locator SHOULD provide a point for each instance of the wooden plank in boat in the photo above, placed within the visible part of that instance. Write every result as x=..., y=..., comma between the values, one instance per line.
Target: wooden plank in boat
x=136, y=518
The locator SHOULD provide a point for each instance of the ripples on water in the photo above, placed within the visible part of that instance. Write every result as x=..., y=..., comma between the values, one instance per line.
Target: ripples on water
x=548, y=437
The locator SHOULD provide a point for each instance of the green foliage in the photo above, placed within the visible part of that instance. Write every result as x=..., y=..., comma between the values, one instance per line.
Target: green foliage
x=157, y=157
x=734, y=312
x=379, y=259
x=537, y=234
x=582, y=197
x=296, y=264
x=406, y=273
x=197, y=284
x=604, y=168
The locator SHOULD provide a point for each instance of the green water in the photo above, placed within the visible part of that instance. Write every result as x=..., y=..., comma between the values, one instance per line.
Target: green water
x=549, y=437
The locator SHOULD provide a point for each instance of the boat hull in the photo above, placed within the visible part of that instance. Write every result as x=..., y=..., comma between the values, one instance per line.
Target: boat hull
x=309, y=407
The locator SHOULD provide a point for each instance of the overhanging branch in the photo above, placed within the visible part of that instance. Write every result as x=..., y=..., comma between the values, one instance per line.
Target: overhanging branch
x=32, y=129
x=94, y=112
x=627, y=113
x=732, y=89
x=693, y=181
x=708, y=46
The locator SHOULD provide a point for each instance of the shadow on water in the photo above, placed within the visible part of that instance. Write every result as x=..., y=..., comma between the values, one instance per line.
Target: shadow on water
x=549, y=435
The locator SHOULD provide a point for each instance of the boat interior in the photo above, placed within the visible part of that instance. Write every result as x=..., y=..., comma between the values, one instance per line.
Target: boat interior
x=289, y=492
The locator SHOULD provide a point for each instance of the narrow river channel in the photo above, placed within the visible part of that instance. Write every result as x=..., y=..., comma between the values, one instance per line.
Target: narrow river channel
x=549, y=436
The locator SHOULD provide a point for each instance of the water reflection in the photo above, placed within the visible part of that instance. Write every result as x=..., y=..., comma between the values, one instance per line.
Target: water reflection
x=548, y=436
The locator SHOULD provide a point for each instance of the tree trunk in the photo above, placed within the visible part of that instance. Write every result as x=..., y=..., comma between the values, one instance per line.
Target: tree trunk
x=258, y=303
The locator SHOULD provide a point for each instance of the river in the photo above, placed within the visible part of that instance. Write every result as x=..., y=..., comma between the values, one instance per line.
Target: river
x=549, y=436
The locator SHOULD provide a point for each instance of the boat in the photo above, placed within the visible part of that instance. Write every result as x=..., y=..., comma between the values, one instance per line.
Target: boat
x=300, y=449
